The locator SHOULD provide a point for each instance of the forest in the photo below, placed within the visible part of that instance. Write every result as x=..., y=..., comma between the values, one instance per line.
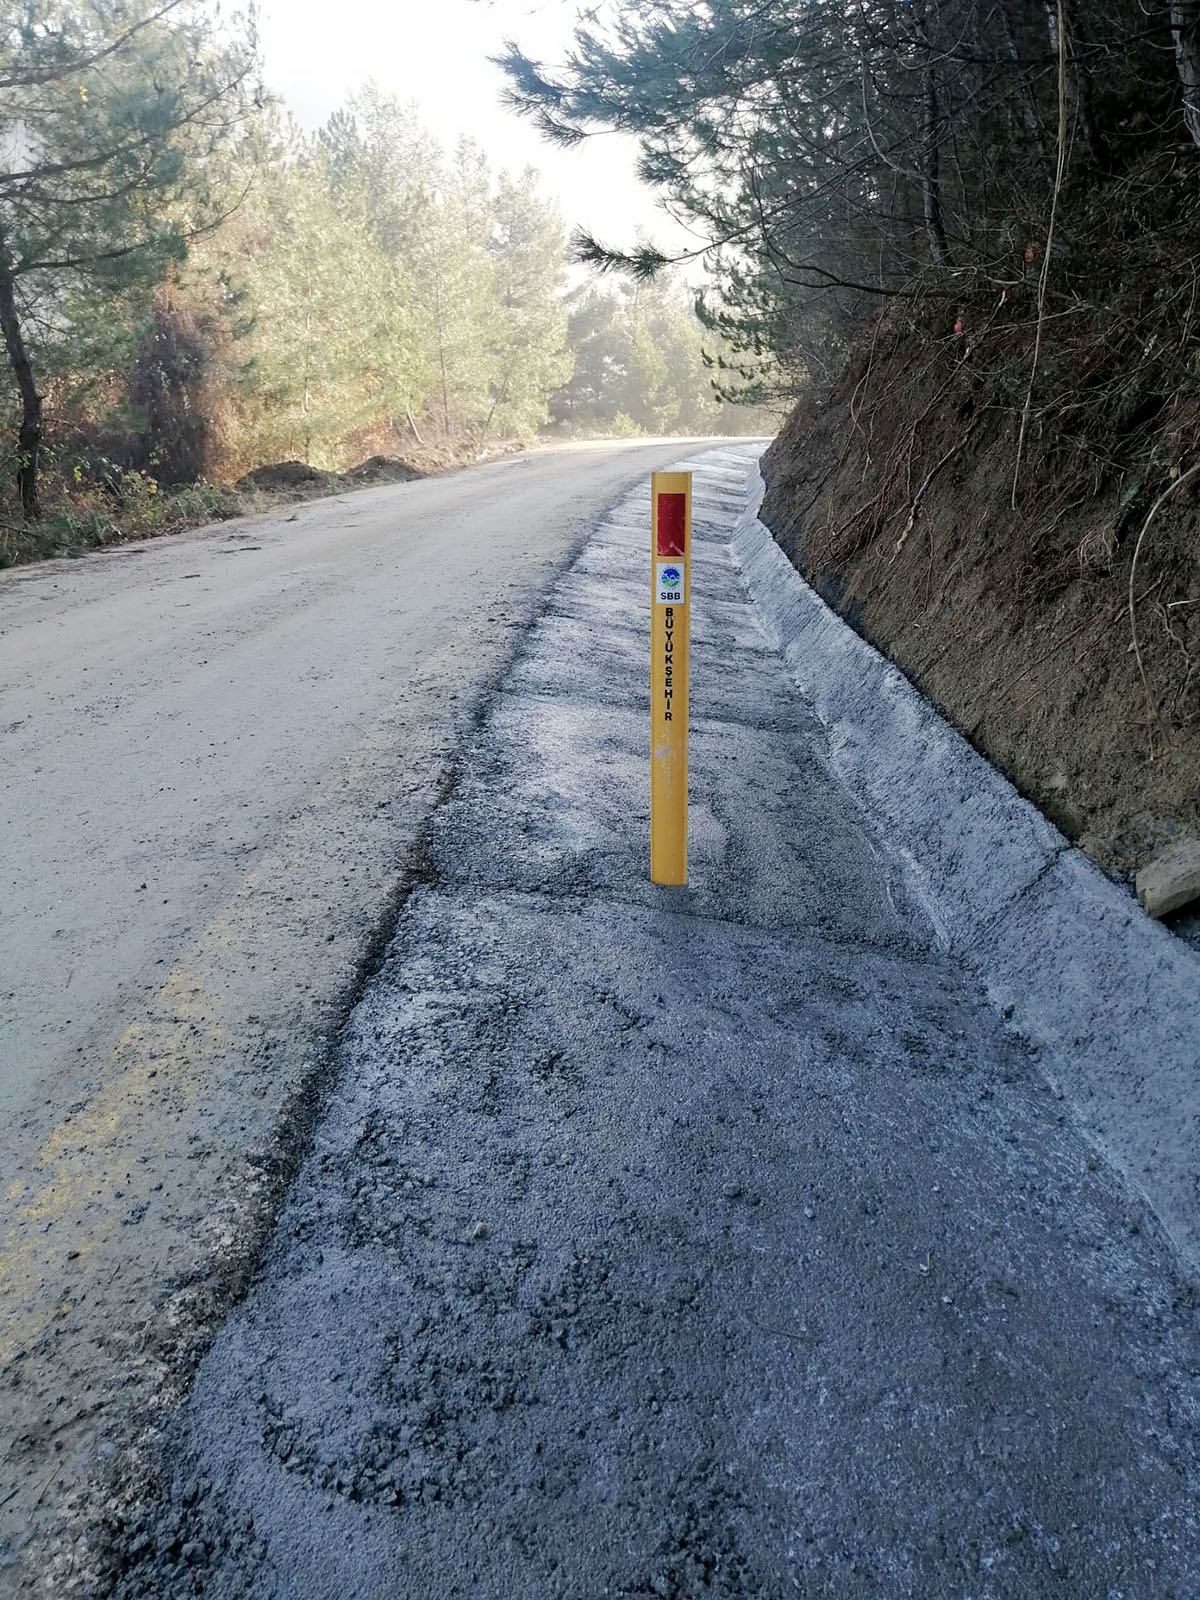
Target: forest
x=1001, y=162
x=962, y=239
x=192, y=288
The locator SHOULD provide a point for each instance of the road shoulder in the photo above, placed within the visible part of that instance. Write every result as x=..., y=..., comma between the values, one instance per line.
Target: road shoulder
x=658, y=1243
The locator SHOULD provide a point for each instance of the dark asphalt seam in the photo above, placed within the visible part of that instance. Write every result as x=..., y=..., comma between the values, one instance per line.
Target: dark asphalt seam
x=469, y=890
x=417, y=869
x=602, y=702
x=301, y=1115
x=458, y=893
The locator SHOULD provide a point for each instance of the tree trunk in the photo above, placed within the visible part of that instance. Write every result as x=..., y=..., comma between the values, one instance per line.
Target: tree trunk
x=306, y=404
x=931, y=183
x=502, y=395
x=930, y=153
x=29, y=435
x=1081, y=83
x=1185, y=31
x=1033, y=121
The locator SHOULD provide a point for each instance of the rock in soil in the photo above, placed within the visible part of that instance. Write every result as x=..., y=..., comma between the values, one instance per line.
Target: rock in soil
x=1172, y=880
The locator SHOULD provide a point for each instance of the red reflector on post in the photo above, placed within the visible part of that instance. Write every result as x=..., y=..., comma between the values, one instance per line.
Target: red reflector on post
x=672, y=524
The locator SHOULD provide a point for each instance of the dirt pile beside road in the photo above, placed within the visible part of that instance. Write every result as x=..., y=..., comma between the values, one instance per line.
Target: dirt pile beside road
x=81, y=516
x=298, y=480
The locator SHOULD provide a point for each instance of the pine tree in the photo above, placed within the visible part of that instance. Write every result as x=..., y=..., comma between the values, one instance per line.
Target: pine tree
x=832, y=156
x=118, y=119
x=527, y=341
x=328, y=350
x=641, y=364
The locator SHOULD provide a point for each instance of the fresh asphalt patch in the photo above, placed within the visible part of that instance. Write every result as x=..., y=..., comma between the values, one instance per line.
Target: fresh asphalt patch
x=718, y=1241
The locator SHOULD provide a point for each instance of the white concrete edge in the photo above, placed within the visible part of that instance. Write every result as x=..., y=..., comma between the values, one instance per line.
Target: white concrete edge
x=1111, y=998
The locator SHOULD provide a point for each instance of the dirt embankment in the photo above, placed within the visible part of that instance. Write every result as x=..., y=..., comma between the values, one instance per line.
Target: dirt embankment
x=894, y=496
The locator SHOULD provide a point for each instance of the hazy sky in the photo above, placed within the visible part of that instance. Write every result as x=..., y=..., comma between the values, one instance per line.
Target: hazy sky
x=435, y=52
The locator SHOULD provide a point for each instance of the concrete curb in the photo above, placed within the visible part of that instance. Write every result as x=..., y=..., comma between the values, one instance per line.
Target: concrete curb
x=1110, y=997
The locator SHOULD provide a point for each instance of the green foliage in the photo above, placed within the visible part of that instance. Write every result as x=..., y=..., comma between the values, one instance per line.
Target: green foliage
x=640, y=365
x=453, y=292
x=527, y=351
x=385, y=281
x=194, y=289
x=90, y=519
x=119, y=120
x=327, y=346
x=833, y=158
x=124, y=123
x=121, y=125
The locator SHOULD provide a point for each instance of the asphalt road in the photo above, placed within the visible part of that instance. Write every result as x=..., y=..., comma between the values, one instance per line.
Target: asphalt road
x=217, y=754
x=715, y=1242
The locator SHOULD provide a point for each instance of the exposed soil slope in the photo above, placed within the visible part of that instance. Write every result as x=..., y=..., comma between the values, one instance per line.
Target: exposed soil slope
x=893, y=496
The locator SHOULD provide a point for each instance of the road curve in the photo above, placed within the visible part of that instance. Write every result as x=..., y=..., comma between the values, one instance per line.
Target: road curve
x=219, y=751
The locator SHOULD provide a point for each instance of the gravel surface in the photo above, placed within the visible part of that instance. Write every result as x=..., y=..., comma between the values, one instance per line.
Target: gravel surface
x=707, y=1242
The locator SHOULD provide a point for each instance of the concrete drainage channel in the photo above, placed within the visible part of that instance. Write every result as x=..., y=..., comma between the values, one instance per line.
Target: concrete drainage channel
x=721, y=1241
x=1113, y=998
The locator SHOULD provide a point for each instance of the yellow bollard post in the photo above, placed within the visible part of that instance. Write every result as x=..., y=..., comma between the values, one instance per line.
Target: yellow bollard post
x=670, y=637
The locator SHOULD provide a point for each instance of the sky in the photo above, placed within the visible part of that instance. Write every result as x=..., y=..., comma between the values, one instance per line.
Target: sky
x=435, y=52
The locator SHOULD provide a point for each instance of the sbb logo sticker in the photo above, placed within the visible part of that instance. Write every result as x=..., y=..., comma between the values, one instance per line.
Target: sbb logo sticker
x=669, y=586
